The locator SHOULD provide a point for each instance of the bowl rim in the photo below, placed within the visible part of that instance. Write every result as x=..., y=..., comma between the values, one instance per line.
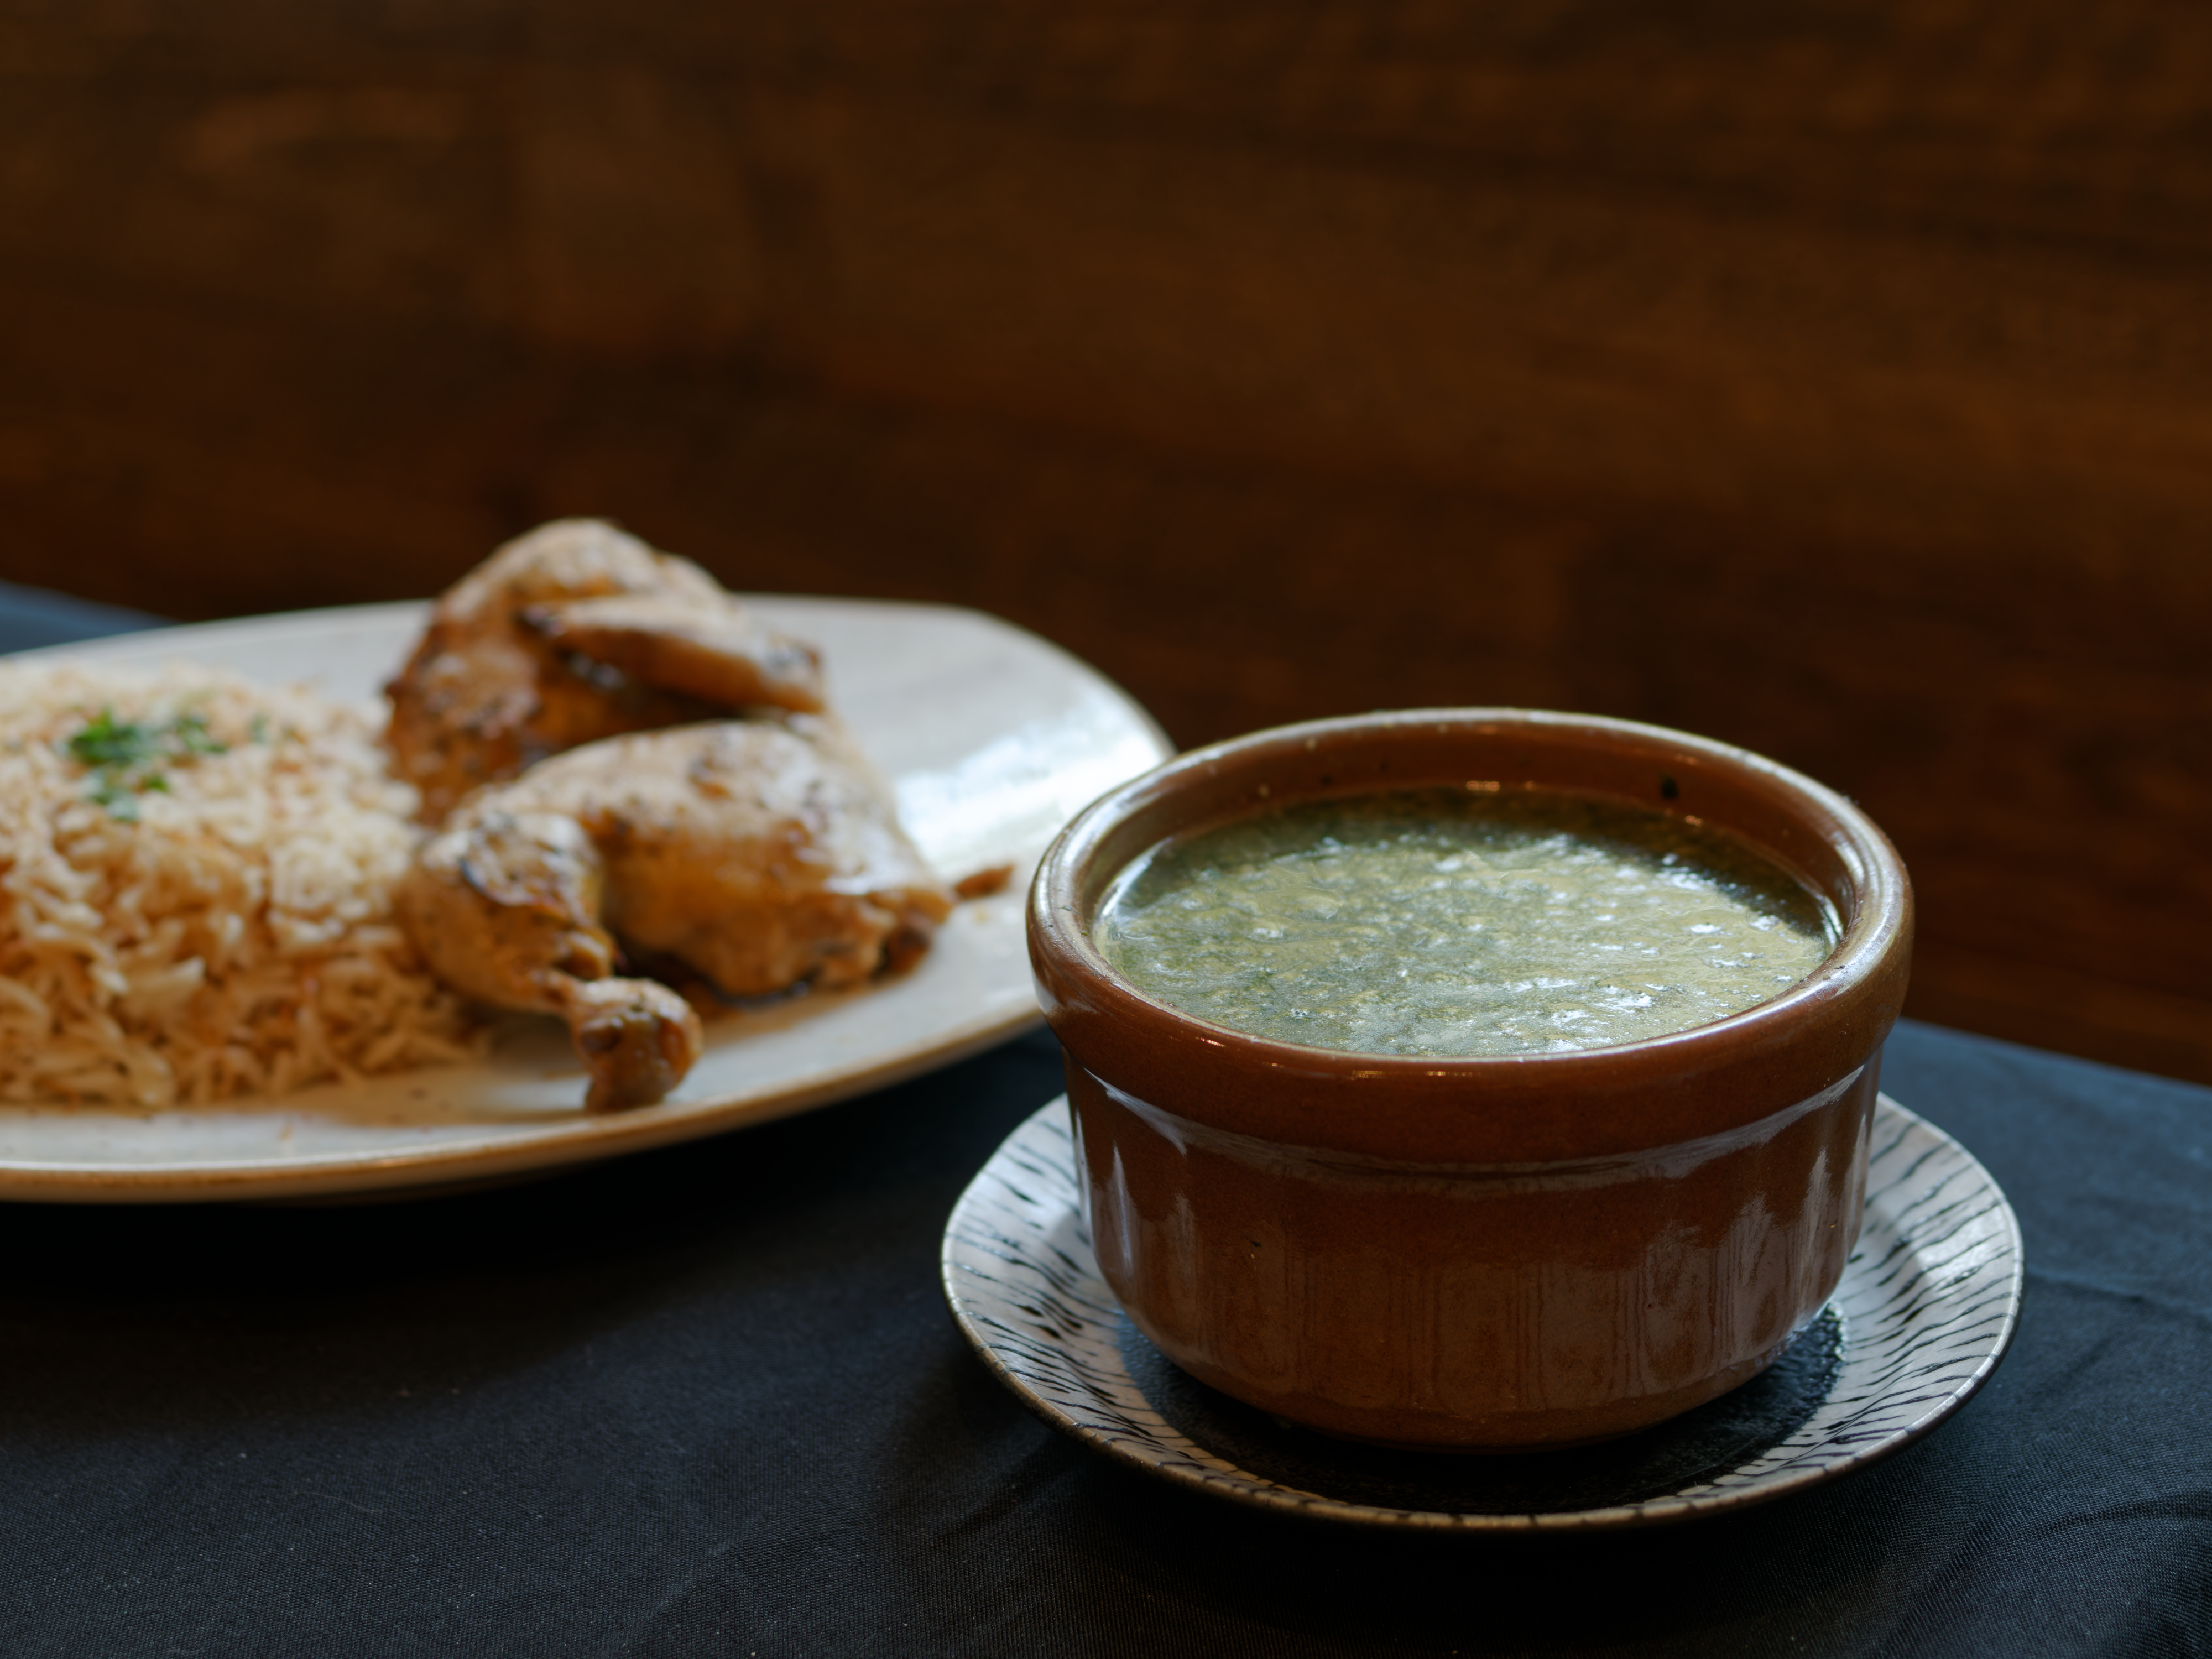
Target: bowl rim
x=1859, y=985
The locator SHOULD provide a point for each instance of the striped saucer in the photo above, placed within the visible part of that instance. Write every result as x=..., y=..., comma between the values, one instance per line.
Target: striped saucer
x=1928, y=1304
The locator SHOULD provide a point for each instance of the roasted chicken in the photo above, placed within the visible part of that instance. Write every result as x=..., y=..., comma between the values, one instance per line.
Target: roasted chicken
x=761, y=853
x=573, y=632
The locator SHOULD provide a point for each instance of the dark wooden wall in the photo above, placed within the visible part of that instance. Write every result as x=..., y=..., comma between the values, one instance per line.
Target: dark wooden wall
x=1832, y=378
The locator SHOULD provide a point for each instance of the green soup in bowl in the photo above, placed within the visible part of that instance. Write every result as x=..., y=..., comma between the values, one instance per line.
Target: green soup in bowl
x=1475, y=920
x=1387, y=1124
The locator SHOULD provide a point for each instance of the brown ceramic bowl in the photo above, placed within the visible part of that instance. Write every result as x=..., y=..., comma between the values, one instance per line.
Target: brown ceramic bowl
x=1476, y=1253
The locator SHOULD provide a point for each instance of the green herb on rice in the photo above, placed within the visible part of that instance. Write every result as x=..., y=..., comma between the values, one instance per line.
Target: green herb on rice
x=125, y=758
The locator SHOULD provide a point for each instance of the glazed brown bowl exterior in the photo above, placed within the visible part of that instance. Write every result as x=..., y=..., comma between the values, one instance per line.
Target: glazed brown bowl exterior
x=1484, y=1253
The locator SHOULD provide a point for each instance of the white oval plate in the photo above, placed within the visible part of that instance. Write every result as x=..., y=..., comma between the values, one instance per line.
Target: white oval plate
x=993, y=738
x=1928, y=1304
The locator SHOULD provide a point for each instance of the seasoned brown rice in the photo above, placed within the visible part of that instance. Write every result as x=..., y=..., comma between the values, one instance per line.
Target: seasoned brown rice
x=236, y=935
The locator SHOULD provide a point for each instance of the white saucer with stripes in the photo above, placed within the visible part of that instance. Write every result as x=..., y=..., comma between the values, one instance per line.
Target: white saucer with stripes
x=1927, y=1306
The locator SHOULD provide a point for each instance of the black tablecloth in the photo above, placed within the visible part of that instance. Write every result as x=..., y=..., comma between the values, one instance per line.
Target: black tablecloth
x=708, y=1400
x=35, y=615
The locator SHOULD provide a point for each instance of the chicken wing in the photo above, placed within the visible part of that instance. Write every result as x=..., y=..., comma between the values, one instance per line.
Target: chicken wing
x=573, y=632
x=761, y=853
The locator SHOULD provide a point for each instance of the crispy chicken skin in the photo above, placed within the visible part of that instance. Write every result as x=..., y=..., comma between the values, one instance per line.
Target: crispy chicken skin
x=573, y=632
x=761, y=853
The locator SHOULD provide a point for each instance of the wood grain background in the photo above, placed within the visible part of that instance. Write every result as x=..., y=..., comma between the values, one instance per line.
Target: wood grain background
x=1832, y=378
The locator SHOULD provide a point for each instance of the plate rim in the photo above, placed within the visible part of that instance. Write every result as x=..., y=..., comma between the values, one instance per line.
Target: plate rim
x=1255, y=1492
x=455, y=1164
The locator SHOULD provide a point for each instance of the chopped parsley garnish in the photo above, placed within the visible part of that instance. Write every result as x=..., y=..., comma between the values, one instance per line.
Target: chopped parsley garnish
x=126, y=756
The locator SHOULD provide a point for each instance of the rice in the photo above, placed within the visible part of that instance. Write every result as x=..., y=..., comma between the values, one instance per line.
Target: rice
x=214, y=918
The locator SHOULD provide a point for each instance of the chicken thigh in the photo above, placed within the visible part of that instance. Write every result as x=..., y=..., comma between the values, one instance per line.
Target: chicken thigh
x=573, y=632
x=761, y=853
